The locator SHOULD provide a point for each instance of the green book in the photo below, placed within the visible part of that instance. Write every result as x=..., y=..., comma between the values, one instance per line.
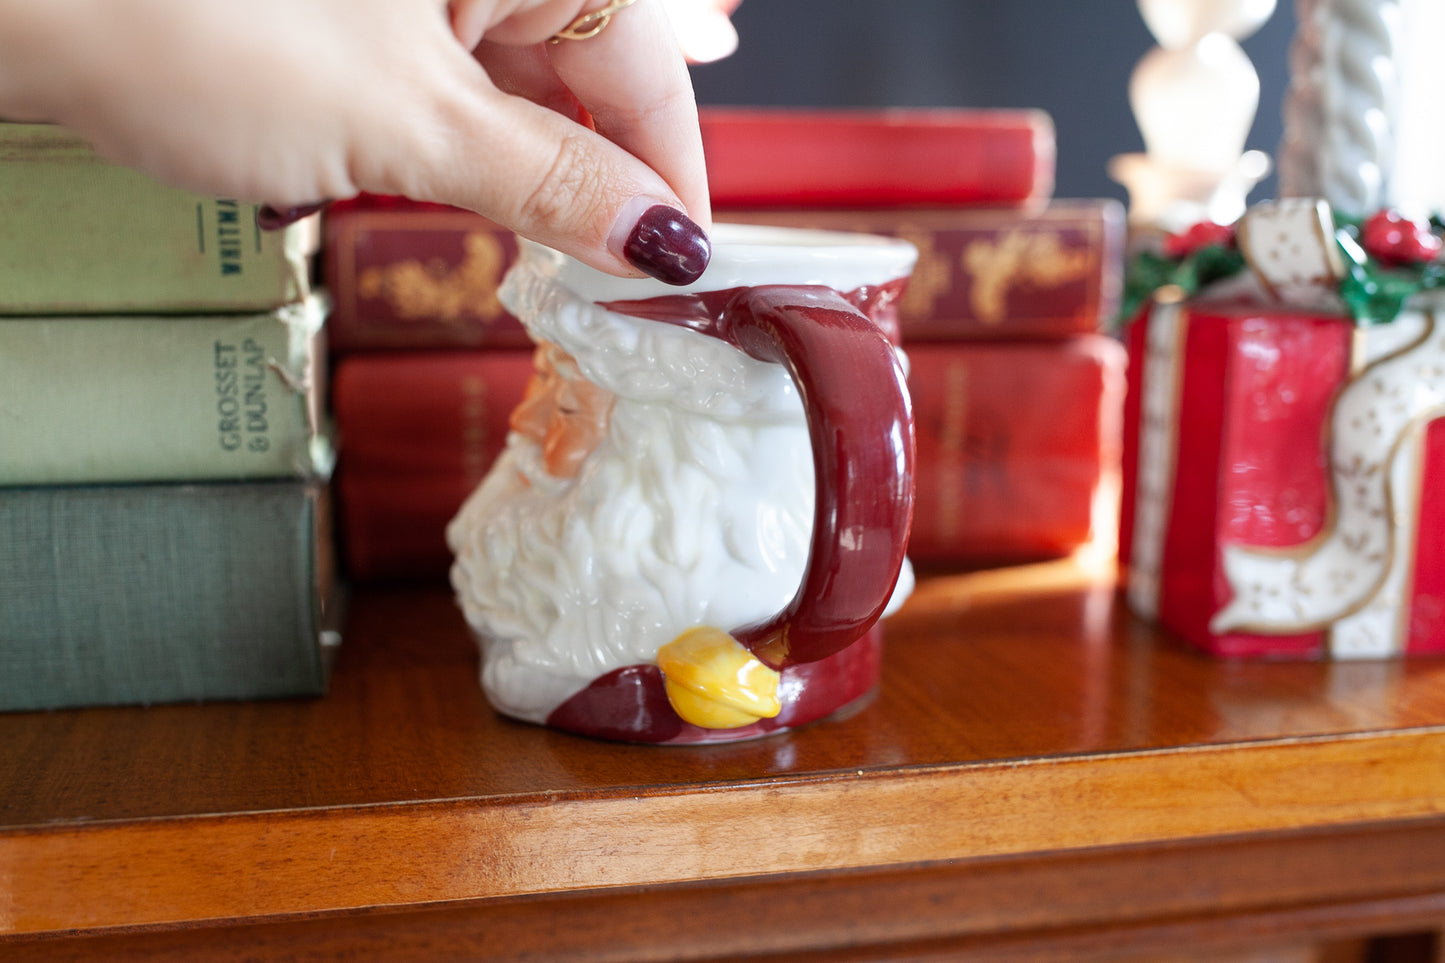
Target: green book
x=164, y=593
x=82, y=235
x=131, y=398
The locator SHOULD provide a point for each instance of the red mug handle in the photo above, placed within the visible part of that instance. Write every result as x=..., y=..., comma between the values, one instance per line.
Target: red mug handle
x=860, y=423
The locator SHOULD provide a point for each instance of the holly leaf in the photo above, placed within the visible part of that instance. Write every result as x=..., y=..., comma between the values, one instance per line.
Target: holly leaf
x=1149, y=271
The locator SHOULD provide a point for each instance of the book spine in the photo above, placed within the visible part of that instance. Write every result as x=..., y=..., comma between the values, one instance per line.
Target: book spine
x=1018, y=448
x=85, y=236
x=409, y=276
x=406, y=275
x=992, y=272
x=418, y=430
x=163, y=593
x=867, y=158
x=162, y=398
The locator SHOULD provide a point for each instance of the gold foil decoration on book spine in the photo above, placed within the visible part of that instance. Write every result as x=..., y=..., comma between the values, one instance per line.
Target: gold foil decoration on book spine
x=437, y=291
x=1020, y=258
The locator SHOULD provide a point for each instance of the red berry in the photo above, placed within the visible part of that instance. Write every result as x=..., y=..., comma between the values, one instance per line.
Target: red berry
x=1391, y=238
x=1196, y=236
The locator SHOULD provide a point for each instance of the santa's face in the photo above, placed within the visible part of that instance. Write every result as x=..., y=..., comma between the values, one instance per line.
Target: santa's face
x=561, y=411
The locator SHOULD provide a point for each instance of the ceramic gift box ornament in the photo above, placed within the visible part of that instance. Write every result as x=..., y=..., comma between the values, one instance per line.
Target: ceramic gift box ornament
x=703, y=505
x=1283, y=452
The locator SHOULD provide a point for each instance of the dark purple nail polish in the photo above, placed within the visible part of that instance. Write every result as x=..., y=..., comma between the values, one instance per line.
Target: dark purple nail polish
x=667, y=245
x=273, y=218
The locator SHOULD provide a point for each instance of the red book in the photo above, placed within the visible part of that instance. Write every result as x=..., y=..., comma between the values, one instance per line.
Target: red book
x=759, y=156
x=1018, y=447
x=403, y=274
x=417, y=432
x=993, y=272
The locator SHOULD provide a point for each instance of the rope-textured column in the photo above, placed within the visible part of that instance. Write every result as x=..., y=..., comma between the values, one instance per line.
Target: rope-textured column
x=1341, y=112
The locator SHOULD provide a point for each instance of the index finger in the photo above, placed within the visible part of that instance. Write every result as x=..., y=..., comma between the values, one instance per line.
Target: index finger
x=633, y=80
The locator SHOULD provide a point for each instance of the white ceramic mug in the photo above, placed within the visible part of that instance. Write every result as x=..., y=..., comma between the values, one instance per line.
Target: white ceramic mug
x=706, y=495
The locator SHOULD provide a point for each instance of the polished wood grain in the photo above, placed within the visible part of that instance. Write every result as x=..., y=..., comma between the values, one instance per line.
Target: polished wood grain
x=1291, y=896
x=1022, y=712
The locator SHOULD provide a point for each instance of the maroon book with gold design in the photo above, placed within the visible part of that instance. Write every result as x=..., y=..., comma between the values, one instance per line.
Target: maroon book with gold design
x=408, y=275
x=413, y=276
x=990, y=272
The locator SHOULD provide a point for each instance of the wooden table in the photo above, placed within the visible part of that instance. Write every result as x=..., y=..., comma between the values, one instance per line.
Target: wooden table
x=1039, y=776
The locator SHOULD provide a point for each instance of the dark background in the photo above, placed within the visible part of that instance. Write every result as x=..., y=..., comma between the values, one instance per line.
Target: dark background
x=1071, y=58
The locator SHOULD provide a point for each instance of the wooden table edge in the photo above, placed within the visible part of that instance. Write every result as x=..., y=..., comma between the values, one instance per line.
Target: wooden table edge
x=251, y=865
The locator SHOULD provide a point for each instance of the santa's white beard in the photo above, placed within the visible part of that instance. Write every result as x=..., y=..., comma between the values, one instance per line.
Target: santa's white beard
x=675, y=520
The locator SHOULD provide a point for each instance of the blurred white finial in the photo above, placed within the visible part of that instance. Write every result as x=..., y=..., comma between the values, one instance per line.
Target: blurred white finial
x=703, y=27
x=1194, y=97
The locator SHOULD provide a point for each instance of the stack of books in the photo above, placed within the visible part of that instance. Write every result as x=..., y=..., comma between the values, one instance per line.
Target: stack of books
x=164, y=456
x=426, y=368
x=1016, y=390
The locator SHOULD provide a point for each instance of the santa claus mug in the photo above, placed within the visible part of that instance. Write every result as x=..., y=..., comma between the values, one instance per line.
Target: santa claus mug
x=706, y=494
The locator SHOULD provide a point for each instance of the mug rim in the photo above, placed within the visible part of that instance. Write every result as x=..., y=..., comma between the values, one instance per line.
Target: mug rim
x=747, y=255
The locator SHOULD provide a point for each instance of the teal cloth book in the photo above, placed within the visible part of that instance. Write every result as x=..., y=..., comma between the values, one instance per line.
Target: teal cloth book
x=141, y=594
x=82, y=235
x=135, y=398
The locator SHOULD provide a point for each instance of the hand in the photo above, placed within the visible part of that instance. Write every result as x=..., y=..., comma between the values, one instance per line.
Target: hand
x=287, y=102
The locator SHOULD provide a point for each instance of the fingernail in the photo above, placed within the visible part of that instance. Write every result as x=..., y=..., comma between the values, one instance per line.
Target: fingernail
x=667, y=245
x=275, y=218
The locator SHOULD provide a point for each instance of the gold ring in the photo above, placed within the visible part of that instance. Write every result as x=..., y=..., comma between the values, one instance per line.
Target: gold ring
x=590, y=24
